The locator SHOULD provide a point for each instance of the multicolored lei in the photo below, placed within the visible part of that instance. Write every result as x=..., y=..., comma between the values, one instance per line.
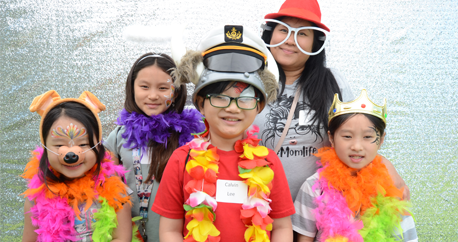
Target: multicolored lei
x=201, y=204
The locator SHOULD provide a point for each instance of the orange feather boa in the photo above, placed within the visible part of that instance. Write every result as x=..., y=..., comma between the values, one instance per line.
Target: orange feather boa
x=82, y=190
x=358, y=187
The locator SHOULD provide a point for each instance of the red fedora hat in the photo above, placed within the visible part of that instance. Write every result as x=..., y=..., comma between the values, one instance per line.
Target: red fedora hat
x=304, y=9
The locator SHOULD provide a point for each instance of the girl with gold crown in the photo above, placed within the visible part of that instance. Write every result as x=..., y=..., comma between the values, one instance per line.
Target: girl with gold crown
x=74, y=189
x=223, y=185
x=352, y=197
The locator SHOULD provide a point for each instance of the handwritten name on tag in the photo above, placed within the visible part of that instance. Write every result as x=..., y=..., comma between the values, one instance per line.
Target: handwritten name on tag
x=228, y=191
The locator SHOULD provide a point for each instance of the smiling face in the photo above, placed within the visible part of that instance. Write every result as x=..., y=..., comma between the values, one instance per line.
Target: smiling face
x=227, y=123
x=357, y=141
x=68, y=138
x=153, y=90
x=288, y=54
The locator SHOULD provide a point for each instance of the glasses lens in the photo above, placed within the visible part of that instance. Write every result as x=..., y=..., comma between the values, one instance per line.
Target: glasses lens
x=247, y=102
x=219, y=101
x=304, y=39
x=222, y=101
x=279, y=32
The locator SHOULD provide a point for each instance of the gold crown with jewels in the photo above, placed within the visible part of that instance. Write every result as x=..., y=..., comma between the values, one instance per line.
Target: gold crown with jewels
x=362, y=104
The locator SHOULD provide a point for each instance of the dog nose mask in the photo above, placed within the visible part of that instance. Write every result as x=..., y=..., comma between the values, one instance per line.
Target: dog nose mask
x=72, y=155
x=71, y=158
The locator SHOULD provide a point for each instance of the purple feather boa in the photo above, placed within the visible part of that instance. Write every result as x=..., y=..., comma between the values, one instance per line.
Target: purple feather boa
x=140, y=129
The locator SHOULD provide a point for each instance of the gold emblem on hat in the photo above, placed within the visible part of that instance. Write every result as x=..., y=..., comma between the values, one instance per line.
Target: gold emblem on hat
x=362, y=104
x=234, y=35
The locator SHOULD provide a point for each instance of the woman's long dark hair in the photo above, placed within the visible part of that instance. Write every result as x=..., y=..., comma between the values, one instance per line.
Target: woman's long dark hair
x=158, y=152
x=80, y=113
x=316, y=81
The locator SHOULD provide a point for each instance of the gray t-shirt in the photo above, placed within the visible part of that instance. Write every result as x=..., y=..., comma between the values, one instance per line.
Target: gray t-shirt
x=115, y=143
x=83, y=226
x=302, y=140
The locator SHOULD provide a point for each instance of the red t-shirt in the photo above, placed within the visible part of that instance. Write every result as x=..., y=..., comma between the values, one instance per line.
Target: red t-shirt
x=171, y=194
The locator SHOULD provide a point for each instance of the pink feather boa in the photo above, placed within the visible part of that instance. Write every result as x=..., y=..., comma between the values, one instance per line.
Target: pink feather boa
x=332, y=214
x=54, y=217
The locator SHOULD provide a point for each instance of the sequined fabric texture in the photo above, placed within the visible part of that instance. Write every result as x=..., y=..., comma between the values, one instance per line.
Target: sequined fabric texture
x=403, y=50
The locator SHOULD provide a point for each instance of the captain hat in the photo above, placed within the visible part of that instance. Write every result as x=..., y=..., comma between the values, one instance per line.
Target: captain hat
x=230, y=53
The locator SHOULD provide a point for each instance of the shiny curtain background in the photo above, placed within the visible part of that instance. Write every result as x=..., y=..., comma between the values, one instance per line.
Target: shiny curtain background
x=401, y=50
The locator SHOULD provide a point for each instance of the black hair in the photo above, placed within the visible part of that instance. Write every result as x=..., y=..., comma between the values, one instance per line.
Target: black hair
x=158, y=153
x=166, y=64
x=317, y=82
x=220, y=87
x=81, y=113
x=339, y=120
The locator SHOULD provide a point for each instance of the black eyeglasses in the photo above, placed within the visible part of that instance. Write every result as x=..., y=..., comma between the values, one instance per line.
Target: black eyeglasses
x=223, y=101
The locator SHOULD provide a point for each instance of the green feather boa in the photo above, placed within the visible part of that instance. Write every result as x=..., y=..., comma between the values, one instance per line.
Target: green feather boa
x=383, y=218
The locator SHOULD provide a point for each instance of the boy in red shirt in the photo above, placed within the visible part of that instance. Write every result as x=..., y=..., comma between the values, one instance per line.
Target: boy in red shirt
x=224, y=186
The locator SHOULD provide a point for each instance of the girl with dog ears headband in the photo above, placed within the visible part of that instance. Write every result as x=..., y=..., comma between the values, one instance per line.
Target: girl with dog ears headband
x=73, y=183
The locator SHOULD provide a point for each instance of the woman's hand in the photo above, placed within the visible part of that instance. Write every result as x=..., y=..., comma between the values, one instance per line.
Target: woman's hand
x=397, y=179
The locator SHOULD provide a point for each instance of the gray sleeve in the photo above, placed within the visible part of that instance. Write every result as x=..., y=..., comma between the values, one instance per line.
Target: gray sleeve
x=409, y=233
x=303, y=220
x=114, y=141
x=344, y=87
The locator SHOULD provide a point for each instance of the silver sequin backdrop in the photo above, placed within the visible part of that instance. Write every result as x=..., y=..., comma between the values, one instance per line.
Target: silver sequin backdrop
x=403, y=50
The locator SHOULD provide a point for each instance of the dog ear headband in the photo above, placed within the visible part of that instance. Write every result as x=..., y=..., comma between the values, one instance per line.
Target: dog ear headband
x=43, y=103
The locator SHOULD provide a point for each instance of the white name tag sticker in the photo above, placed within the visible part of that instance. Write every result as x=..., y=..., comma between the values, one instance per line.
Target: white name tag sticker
x=228, y=191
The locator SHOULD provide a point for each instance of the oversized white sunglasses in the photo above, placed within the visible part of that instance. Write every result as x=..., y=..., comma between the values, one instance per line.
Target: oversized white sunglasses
x=323, y=38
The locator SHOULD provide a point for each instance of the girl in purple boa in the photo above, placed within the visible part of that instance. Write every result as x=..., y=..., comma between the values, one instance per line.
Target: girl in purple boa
x=153, y=123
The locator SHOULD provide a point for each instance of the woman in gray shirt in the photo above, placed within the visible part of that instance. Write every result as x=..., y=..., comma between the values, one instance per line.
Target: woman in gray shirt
x=296, y=38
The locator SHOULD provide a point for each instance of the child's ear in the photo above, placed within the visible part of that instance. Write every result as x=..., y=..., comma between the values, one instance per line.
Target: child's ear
x=331, y=139
x=200, y=103
x=260, y=106
x=382, y=139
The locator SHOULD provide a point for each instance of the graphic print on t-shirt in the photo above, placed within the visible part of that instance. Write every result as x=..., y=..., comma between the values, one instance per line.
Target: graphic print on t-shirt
x=301, y=128
x=83, y=226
